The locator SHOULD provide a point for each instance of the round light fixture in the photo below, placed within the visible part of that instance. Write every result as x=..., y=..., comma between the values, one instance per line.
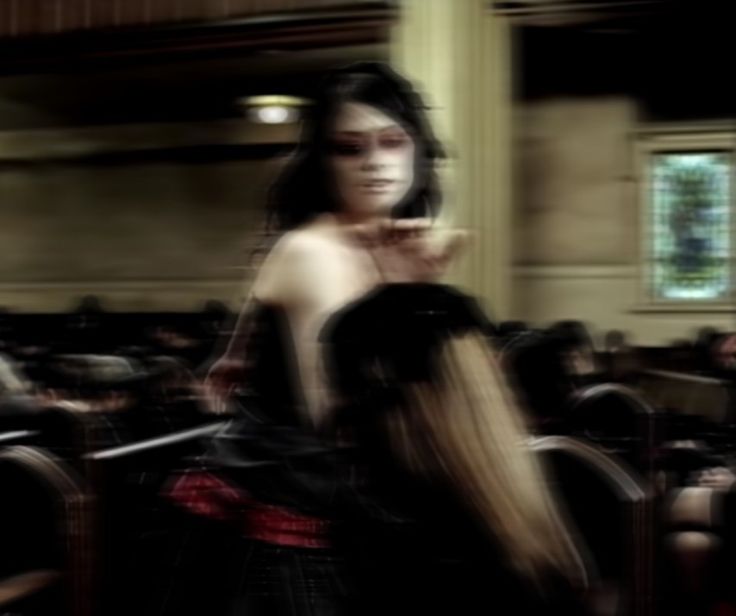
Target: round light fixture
x=273, y=108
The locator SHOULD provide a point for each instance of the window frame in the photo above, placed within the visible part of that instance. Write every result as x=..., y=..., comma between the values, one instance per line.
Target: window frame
x=686, y=139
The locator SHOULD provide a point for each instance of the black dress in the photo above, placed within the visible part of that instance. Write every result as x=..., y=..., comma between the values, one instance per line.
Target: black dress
x=263, y=495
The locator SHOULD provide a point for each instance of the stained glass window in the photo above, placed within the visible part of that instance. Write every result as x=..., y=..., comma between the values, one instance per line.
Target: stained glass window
x=690, y=225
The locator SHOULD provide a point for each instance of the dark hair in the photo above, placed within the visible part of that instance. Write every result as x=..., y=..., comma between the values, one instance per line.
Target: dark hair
x=303, y=190
x=399, y=329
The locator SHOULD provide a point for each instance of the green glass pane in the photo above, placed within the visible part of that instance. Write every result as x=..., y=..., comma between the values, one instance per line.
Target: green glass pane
x=690, y=227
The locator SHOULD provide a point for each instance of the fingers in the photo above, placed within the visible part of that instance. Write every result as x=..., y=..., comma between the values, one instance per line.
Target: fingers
x=412, y=250
x=212, y=397
x=220, y=384
x=390, y=232
x=395, y=231
x=455, y=242
x=216, y=398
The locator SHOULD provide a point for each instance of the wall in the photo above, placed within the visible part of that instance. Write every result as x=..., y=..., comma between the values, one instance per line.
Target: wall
x=576, y=227
x=144, y=235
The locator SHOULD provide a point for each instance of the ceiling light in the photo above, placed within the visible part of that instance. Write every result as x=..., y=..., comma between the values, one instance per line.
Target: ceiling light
x=272, y=108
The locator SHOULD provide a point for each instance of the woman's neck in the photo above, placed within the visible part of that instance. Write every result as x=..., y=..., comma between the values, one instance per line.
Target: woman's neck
x=355, y=219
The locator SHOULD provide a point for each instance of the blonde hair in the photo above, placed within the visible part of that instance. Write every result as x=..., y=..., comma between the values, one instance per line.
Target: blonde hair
x=464, y=427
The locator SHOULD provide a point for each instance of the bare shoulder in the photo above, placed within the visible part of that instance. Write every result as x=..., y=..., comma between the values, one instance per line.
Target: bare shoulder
x=304, y=241
x=294, y=259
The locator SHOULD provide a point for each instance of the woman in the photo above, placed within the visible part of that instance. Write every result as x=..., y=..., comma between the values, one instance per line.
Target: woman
x=349, y=207
x=451, y=513
x=351, y=211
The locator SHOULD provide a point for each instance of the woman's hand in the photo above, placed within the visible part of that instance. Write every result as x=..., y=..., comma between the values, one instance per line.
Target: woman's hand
x=412, y=250
x=223, y=378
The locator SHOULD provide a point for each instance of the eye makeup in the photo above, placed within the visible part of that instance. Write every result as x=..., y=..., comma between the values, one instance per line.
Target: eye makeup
x=350, y=145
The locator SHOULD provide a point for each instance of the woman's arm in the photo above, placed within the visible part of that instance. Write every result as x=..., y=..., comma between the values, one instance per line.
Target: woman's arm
x=274, y=285
x=230, y=370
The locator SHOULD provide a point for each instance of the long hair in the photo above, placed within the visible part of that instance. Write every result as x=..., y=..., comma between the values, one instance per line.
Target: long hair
x=305, y=187
x=463, y=427
x=413, y=366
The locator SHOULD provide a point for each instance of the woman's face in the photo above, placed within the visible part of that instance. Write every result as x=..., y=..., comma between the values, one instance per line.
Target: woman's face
x=372, y=160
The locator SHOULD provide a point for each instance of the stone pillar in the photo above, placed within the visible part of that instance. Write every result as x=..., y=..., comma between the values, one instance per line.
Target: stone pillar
x=457, y=52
